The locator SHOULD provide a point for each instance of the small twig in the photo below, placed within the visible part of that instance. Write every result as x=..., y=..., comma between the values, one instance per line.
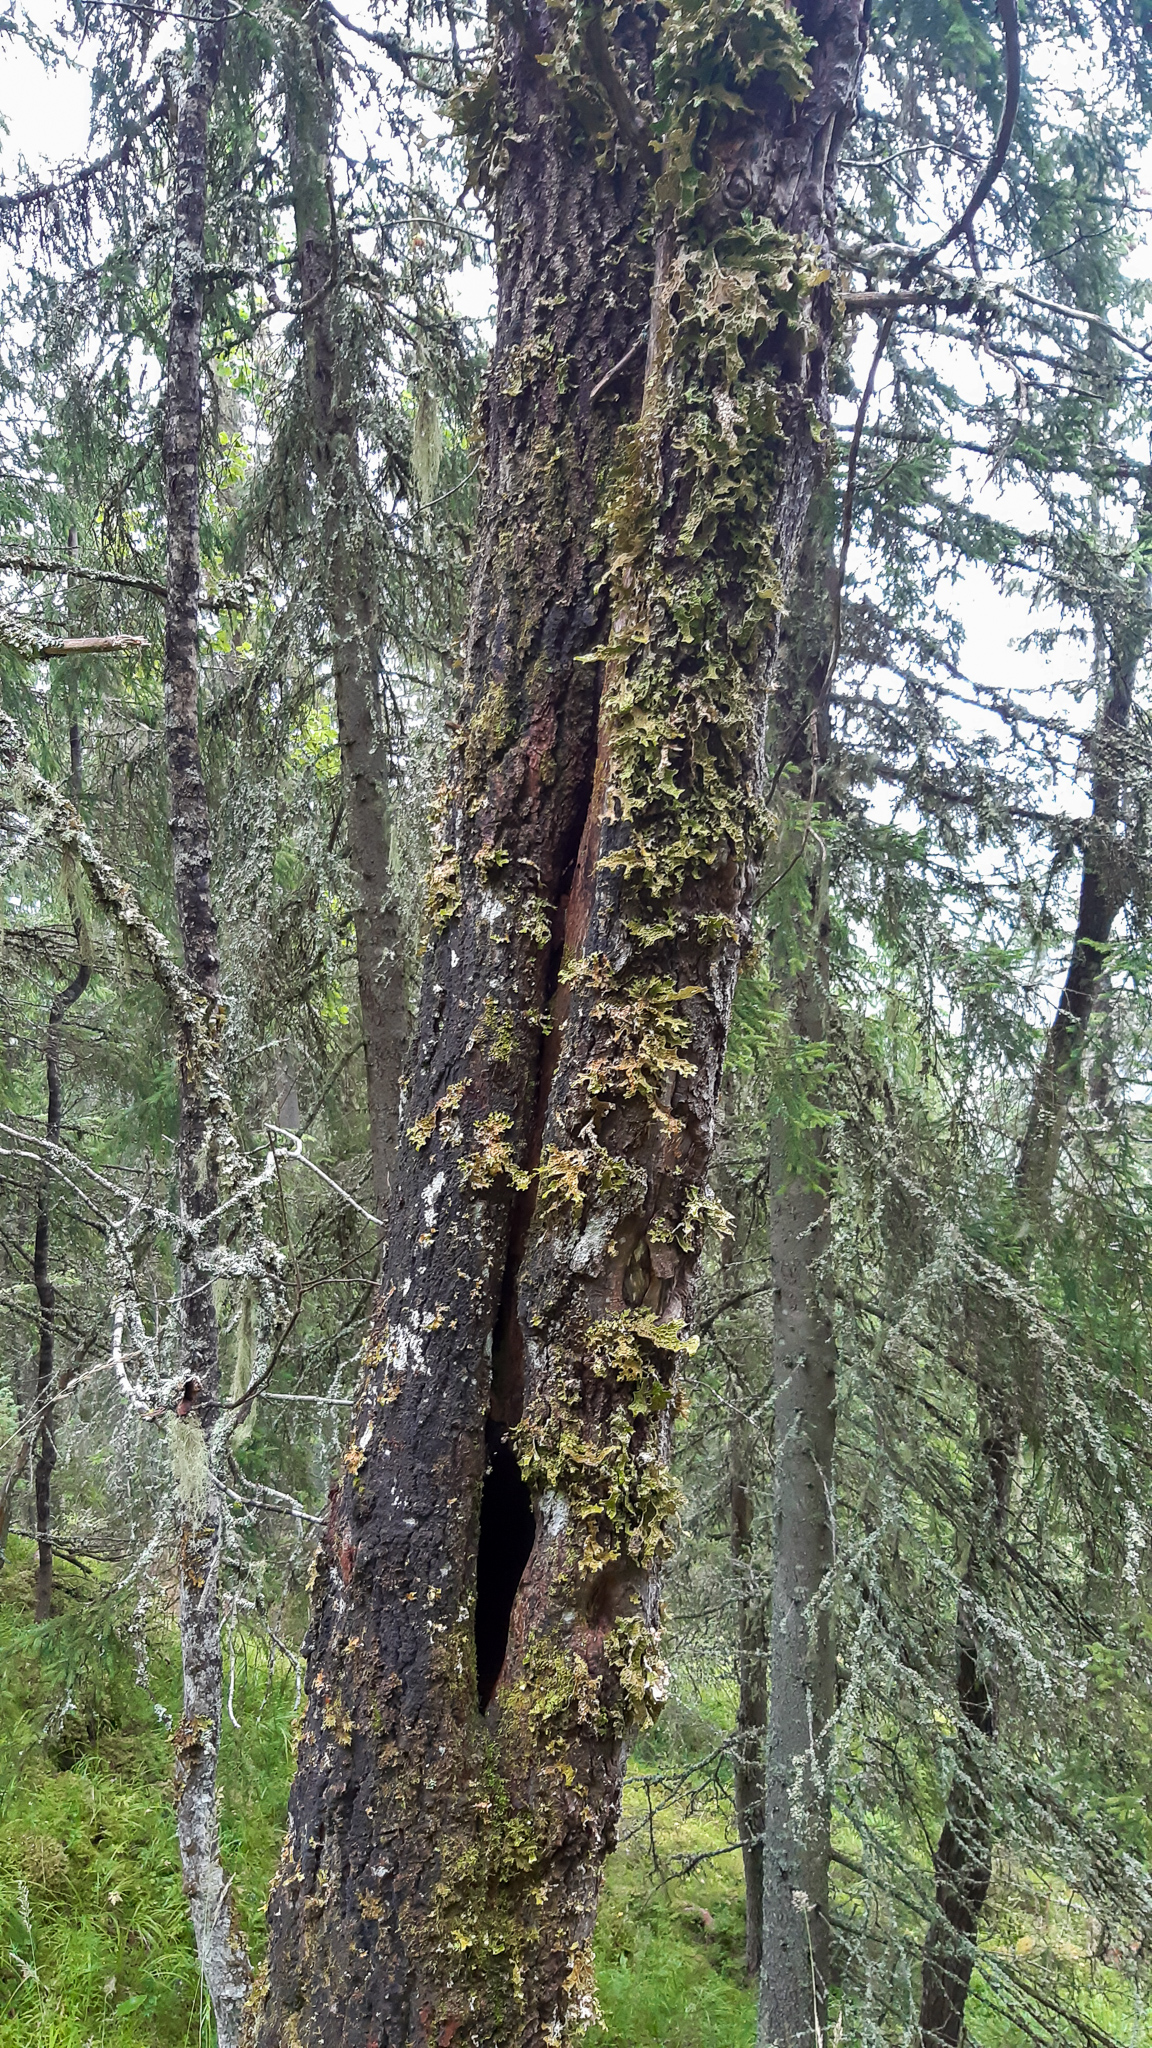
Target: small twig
x=626, y=358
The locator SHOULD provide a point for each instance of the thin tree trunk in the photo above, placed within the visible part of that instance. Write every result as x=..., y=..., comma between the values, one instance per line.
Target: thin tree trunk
x=752, y=1682
x=193, y=1428
x=483, y=1636
x=963, y=1862
x=802, y=1667
x=44, y=1409
x=347, y=582
x=750, y=1369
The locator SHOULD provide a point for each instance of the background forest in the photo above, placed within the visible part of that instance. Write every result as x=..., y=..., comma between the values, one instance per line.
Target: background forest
x=936, y=1097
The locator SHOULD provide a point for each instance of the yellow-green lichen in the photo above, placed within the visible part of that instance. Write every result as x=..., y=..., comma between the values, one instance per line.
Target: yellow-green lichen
x=632, y=1650
x=568, y=1175
x=493, y=1157
x=443, y=897
x=703, y=1215
x=645, y=1043
x=612, y=1480
x=442, y=1112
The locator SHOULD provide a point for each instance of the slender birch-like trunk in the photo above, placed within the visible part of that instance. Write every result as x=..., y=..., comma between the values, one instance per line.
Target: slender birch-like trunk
x=483, y=1639
x=194, y=1428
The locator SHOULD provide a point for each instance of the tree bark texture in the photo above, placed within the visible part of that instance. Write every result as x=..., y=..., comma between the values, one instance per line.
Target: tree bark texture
x=802, y=1664
x=484, y=1629
x=347, y=586
x=44, y=1406
x=963, y=1861
x=195, y=1435
x=752, y=1684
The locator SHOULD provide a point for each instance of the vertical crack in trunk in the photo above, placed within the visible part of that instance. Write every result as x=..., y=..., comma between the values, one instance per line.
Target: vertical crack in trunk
x=442, y=1867
x=507, y=1533
x=507, y=1516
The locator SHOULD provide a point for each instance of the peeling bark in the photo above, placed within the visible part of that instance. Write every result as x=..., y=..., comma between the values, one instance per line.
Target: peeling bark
x=440, y=1878
x=193, y=1431
x=348, y=594
x=963, y=1861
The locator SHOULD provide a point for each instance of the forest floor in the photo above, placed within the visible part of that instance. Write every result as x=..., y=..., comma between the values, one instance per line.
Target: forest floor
x=95, y=1948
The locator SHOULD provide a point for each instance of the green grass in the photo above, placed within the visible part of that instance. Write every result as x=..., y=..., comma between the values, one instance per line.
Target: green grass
x=95, y=1947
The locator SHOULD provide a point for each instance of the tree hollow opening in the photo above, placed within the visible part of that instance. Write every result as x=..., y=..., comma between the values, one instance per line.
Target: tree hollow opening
x=507, y=1531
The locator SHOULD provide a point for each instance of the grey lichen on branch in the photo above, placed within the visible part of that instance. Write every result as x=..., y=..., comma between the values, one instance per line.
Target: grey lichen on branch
x=32, y=642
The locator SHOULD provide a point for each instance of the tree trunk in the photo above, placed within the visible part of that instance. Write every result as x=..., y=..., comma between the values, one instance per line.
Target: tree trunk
x=802, y=1665
x=44, y=1407
x=483, y=1638
x=752, y=1682
x=194, y=1426
x=962, y=1865
x=347, y=584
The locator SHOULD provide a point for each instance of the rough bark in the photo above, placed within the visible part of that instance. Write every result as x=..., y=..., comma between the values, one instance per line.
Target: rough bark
x=347, y=586
x=193, y=1426
x=802, y=1665
x=795, y=1955
x=44, y=1408
x=440, y=1879
x=963, y=1861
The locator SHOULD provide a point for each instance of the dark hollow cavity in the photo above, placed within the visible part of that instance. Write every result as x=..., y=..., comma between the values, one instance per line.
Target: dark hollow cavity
x=507, y=1530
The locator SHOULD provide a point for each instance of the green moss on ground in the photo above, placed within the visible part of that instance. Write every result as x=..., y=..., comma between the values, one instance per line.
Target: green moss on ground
x=95, y=1947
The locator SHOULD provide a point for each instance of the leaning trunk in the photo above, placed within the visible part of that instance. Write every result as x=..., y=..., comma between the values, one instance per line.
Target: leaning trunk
x=963, y=1861
x=194, y=1428
x=483, y=1638
x=345, y=553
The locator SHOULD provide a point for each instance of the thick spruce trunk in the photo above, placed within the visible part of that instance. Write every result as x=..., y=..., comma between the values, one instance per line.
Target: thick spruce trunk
x=963, y=1861
x=484, y=1630
x=347, y=581
x=194, y=1427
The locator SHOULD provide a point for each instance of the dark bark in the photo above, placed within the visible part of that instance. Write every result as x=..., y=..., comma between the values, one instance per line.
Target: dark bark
x=802, y=1666
x=194, y=1426
x=441, y=1874
x=752, y=1681
x=963, y=1861
x=346, y=575
x=44, y=1408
